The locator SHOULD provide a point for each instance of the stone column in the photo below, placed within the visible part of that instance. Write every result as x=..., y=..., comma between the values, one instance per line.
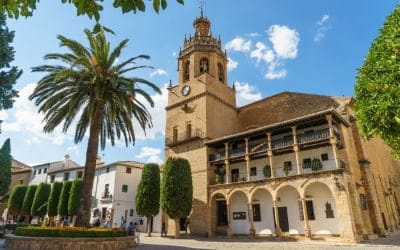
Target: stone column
x=296, y=150
x=247, y=158
x=229, y=227
x=227, y=165
x=278, y=230
x=307, y=230
x=251, y=219
x=333, y=140
x=270, y=154
x=345, y=214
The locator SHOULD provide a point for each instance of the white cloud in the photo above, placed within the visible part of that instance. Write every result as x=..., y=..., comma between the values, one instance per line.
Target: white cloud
x=3, y=115
x=322, y=28
x=25, y=118
x=254, y=34
x=246, y=93
x=150, y=155
x=157, y=114
x=232, y=64
x=238, y=44
x=323, y=20
x=174, y=54
x=284, y=41
x=273, y=74
x=262, y=53
x=158, y=72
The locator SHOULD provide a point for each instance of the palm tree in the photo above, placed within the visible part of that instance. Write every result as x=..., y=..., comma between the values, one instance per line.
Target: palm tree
x=90, y=87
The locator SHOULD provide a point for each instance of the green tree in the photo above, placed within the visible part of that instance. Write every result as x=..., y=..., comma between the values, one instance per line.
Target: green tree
x=147, y=198
x=54, y=198
x=62, y=207
x=177, y=190
x=16, y=199
x=91, y=8
x=5, y=167
x=74, y=197
x=39, y=205
x=91, y=84
x=8, y=74
x=28, y=200
x=377, y=88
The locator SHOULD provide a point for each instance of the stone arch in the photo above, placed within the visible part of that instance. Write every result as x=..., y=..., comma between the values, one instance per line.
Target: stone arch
x=321, y=203
x=238, y=203
x=204, y=65
x=287, y=198
x=186, y=70
x=262, y=207
x=218, y=192
x=309, y=182
x=234, y=190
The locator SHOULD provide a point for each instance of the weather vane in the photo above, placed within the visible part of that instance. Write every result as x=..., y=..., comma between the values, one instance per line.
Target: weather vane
x=201, y=7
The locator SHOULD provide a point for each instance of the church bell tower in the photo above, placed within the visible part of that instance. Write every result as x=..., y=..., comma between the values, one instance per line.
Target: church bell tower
x=201, y=106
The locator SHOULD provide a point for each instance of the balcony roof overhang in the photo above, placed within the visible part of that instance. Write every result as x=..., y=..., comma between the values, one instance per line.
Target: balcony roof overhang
x=335, y=115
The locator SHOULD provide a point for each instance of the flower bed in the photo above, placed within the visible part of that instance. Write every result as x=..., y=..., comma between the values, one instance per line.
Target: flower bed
x=69, y=232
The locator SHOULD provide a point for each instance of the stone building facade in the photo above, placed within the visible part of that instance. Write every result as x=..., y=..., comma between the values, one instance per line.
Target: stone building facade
x=292, y=164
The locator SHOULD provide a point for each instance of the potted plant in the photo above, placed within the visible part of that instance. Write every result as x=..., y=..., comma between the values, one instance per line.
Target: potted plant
x=267, y=171
x=316, y=164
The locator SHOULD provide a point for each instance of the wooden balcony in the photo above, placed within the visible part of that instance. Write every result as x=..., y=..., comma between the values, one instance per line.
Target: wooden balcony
x=283, y=145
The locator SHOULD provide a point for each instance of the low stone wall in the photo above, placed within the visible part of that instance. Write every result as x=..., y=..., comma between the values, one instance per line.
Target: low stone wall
x=60, y=243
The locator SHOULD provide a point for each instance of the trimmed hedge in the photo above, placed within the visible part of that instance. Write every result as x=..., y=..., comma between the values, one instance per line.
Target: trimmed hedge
x=77, y=232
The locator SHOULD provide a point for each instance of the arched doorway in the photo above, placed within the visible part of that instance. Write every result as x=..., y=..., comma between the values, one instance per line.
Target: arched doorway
x=288, y=210
x=218, y=215
x=263, y=217
x=321, y=209
x=239, y=213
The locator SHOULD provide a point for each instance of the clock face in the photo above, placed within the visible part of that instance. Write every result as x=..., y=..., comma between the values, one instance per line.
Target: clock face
x=185, y=90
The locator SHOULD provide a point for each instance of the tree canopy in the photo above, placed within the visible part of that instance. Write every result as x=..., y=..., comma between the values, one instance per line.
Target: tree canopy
x=8, y=74
x=147, y=198
x=28, y=200
x=16, y=199
x=177, y=190
x=74, y=196
x=91, y=8
x=377, y=89
x=5, y=167
x=54, y=198
x=62, y=206
x=40, y=201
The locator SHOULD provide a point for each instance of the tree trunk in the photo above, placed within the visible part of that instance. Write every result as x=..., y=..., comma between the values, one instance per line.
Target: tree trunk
x=83, y=216
x=149, y=222
x=177, y=228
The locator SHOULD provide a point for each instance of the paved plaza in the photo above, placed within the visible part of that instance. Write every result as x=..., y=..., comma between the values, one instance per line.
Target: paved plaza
x=166, y=243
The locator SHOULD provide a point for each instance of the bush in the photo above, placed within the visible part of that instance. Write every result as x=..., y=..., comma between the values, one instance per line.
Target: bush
x=267, y=171
x=16, y=199
x=76, y=232
x=74, y=197
x=62, y=206
x=28, y=200
x=39, y=205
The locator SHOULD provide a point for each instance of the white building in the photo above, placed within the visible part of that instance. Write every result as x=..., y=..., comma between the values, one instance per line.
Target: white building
x=56, y=171
x=114, y=191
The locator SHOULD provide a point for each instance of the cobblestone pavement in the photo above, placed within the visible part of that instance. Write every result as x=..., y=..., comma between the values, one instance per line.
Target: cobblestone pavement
x=221, y=243
x=160, y=243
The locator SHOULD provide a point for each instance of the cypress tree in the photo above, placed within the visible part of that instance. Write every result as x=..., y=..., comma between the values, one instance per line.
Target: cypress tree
x=28, y=200
x=75, y=195
x=54, y=198
x=16, y=199
x=147, y=198
x=177, y=190
x=62, y=206
x=5, y=166
x=39, y=205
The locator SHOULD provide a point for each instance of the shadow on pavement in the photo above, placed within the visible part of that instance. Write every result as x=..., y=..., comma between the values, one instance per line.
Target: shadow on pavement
x=164, y=247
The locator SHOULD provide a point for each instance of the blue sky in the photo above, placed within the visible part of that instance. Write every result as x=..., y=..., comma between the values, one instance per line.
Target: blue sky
x=306, y=46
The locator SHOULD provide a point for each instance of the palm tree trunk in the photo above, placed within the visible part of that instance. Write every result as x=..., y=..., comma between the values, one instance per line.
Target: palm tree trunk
x=83, y=216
